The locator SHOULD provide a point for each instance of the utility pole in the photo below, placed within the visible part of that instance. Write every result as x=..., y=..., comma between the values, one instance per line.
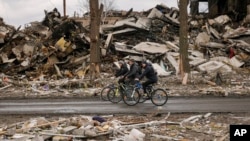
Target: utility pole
x=64, y=8
x=184, y=66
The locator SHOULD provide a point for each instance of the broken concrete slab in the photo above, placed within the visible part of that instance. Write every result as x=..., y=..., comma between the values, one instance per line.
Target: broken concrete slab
x=144, y=22
x=202, y=38
x=233, y=33
x=155, y=13
x=173, y=20
x=213, y=66
x=231, y=61
x=196, y=53
x=173, y=61
x=235, y=62
x=196, y=62
x=172, y=46
x=215, y=33
x=141, y=24
x=151, y=48
x=126, y=30
x=68, y=129
x=121, y=47
x=213, y=45
x=124, y=21
x=222, y=19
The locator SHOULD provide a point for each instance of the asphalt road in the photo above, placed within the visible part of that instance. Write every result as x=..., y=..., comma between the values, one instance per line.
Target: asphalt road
x=76, y=106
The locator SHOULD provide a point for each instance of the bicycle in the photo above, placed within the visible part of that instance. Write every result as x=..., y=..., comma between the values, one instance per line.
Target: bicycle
x=105, y=90
x=114, y=94
x=124, y=92
x=158, y=96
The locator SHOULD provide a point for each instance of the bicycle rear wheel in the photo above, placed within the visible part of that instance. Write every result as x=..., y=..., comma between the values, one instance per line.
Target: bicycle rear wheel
x=131, y=97
x=114, y=95
x=104, y=93
x=159, y=97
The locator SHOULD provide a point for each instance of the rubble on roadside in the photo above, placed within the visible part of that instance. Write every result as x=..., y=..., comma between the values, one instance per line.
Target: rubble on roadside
x=53, y=55
x=207, y=126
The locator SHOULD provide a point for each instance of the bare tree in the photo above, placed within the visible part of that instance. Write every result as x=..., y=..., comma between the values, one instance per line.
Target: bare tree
x=95, y=18
x=107, y=6
x=84, y=6
x=184, y=63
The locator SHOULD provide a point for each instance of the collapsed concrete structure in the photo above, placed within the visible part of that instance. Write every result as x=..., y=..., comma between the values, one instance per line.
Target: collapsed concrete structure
x=57, y=48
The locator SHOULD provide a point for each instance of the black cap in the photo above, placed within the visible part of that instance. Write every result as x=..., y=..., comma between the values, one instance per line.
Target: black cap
x=131, y=59
x=144, y=62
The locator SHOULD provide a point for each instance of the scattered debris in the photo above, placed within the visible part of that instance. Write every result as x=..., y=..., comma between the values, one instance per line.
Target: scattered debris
x=56, y=50
x=123, y=127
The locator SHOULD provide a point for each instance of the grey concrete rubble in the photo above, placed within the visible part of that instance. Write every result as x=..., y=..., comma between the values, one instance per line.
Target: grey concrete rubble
x=123, y=127
x=56, y=50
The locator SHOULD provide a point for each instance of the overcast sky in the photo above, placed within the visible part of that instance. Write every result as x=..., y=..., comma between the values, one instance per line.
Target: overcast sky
x=20, y=12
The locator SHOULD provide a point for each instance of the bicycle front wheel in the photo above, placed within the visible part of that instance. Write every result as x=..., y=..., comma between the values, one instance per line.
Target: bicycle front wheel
x=114, y=95
x=104, y=93
x=131, y=97
x=159, y=97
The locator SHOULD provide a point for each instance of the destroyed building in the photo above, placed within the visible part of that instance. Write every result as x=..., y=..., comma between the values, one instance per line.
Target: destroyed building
x=59, y=47
x=237, y=9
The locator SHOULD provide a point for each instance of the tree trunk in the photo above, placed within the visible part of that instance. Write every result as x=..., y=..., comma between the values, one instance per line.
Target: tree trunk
x=95, y=53
x=184, y=63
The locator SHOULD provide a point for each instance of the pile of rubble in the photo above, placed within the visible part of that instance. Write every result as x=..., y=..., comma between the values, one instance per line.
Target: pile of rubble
x=54, y=46
x=133, y=128
x=58, y=47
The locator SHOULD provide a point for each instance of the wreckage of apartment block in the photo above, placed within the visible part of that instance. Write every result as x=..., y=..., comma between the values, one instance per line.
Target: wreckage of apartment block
x=236, y=9
x=59, y=47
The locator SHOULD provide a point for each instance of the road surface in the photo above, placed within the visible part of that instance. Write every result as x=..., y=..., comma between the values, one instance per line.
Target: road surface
x=76, y=106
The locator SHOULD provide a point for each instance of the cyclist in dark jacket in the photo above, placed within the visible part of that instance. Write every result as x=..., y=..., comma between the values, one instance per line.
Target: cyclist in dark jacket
x=122, y=71
x=150, y=75
x=133, y=72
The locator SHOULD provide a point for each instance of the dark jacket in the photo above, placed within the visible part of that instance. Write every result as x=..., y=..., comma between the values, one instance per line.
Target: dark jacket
x=149, y=73
x=122, y=71
x=133, y=72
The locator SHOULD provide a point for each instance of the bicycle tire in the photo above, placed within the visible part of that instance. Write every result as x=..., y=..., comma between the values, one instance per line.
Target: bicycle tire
x=159, y=97
x=131, y=97
x=104, y=93
x=114, y=95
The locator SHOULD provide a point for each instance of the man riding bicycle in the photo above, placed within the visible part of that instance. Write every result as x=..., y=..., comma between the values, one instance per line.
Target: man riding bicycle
x=150, y=74
x=133, y=72
x=122, y=71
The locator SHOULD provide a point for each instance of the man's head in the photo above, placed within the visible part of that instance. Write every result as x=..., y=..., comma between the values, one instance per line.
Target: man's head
x=131, y=61
x=143, y=64
x=120, y=63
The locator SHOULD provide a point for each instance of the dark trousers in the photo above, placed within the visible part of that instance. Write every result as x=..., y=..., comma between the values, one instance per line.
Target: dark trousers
x=146, y=83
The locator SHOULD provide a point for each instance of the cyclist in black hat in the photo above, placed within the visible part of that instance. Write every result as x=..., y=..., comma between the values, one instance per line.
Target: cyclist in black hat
x=122, y=71
x=133, y=72
x=150, y=74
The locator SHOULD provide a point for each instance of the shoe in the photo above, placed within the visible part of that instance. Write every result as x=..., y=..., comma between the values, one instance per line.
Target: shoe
x=145, y=96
